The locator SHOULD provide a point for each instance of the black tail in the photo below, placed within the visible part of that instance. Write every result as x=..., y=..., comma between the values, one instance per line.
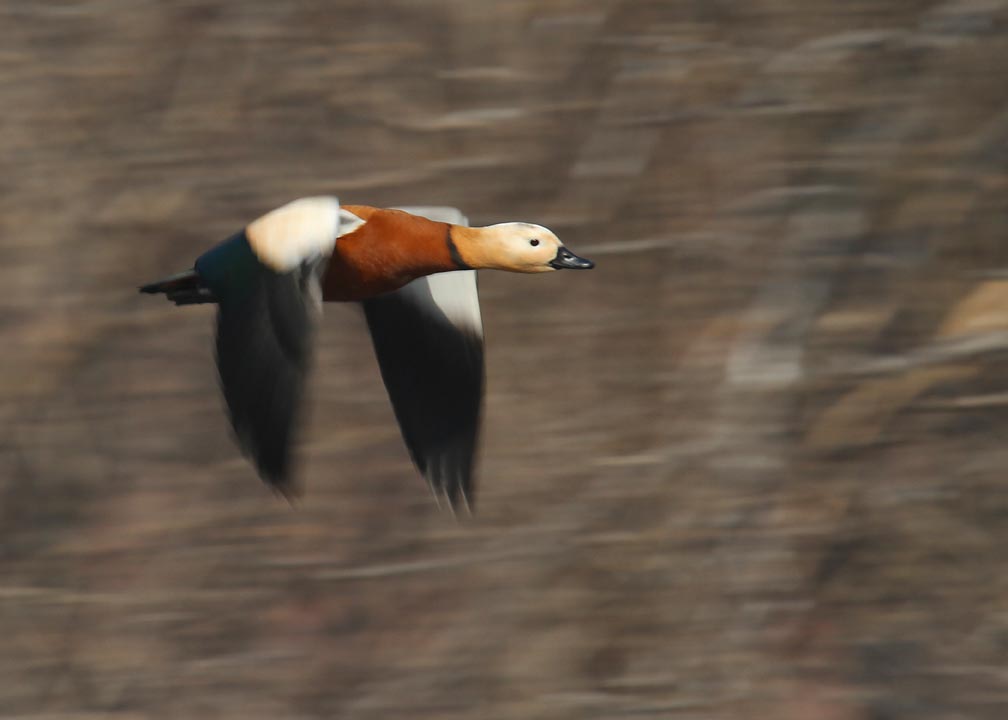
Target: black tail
x=184, y=288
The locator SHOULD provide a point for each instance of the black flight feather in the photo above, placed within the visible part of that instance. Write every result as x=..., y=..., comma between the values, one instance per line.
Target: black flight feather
x=434, y=373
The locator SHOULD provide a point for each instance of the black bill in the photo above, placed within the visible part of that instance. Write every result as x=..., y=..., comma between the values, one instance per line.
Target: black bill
x=566, y=260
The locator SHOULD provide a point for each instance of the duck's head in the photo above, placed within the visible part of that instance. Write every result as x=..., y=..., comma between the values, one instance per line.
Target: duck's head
x=518, y=247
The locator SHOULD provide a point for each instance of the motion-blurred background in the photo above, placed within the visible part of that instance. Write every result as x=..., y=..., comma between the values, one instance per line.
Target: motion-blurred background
x=752, y=466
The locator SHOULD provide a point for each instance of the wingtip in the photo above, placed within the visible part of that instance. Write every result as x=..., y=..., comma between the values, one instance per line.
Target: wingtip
x=289, y=490
x=455, y=496
x=282, y=481
x=462, y=510
x=468, y=503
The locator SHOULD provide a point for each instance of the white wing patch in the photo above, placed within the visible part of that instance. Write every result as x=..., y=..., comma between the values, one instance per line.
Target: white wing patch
x=301, y=230
x=348, y=222
x=437, y=213
x=454, y=293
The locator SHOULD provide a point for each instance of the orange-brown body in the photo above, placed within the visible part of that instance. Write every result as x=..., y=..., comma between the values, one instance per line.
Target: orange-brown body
x=389, y=250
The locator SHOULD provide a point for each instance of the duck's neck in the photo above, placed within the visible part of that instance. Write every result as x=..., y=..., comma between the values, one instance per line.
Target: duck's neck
x=473, y=247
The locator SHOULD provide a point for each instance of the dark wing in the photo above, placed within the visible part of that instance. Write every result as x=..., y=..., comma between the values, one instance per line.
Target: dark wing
x=265, y=328
x=428, y=337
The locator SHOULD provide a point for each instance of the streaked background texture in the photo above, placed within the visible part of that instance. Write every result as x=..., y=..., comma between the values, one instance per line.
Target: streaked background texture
x=752, y=466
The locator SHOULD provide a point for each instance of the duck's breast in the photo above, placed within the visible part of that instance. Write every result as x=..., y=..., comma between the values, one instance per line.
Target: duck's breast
x=388, y=250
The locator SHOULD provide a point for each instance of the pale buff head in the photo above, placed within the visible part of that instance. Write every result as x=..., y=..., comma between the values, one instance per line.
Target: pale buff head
x=516, y=247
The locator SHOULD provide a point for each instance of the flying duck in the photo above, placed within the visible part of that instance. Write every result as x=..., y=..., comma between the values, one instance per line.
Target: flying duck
x=415, y=277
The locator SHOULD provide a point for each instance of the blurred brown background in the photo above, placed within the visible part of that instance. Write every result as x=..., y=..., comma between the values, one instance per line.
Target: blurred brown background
x=752, y=466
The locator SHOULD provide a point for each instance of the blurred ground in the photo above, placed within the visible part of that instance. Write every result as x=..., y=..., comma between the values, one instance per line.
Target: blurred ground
x=751, y=467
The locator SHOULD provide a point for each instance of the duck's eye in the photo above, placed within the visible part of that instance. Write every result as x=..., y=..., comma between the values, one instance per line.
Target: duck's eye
x=533, y=242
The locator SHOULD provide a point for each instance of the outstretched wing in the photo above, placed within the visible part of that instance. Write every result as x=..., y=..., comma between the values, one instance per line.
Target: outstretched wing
x=266, y=281
x=428, y=338
x=264, y=344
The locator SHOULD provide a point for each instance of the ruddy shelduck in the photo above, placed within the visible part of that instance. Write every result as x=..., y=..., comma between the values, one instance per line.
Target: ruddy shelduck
x=415, y=277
